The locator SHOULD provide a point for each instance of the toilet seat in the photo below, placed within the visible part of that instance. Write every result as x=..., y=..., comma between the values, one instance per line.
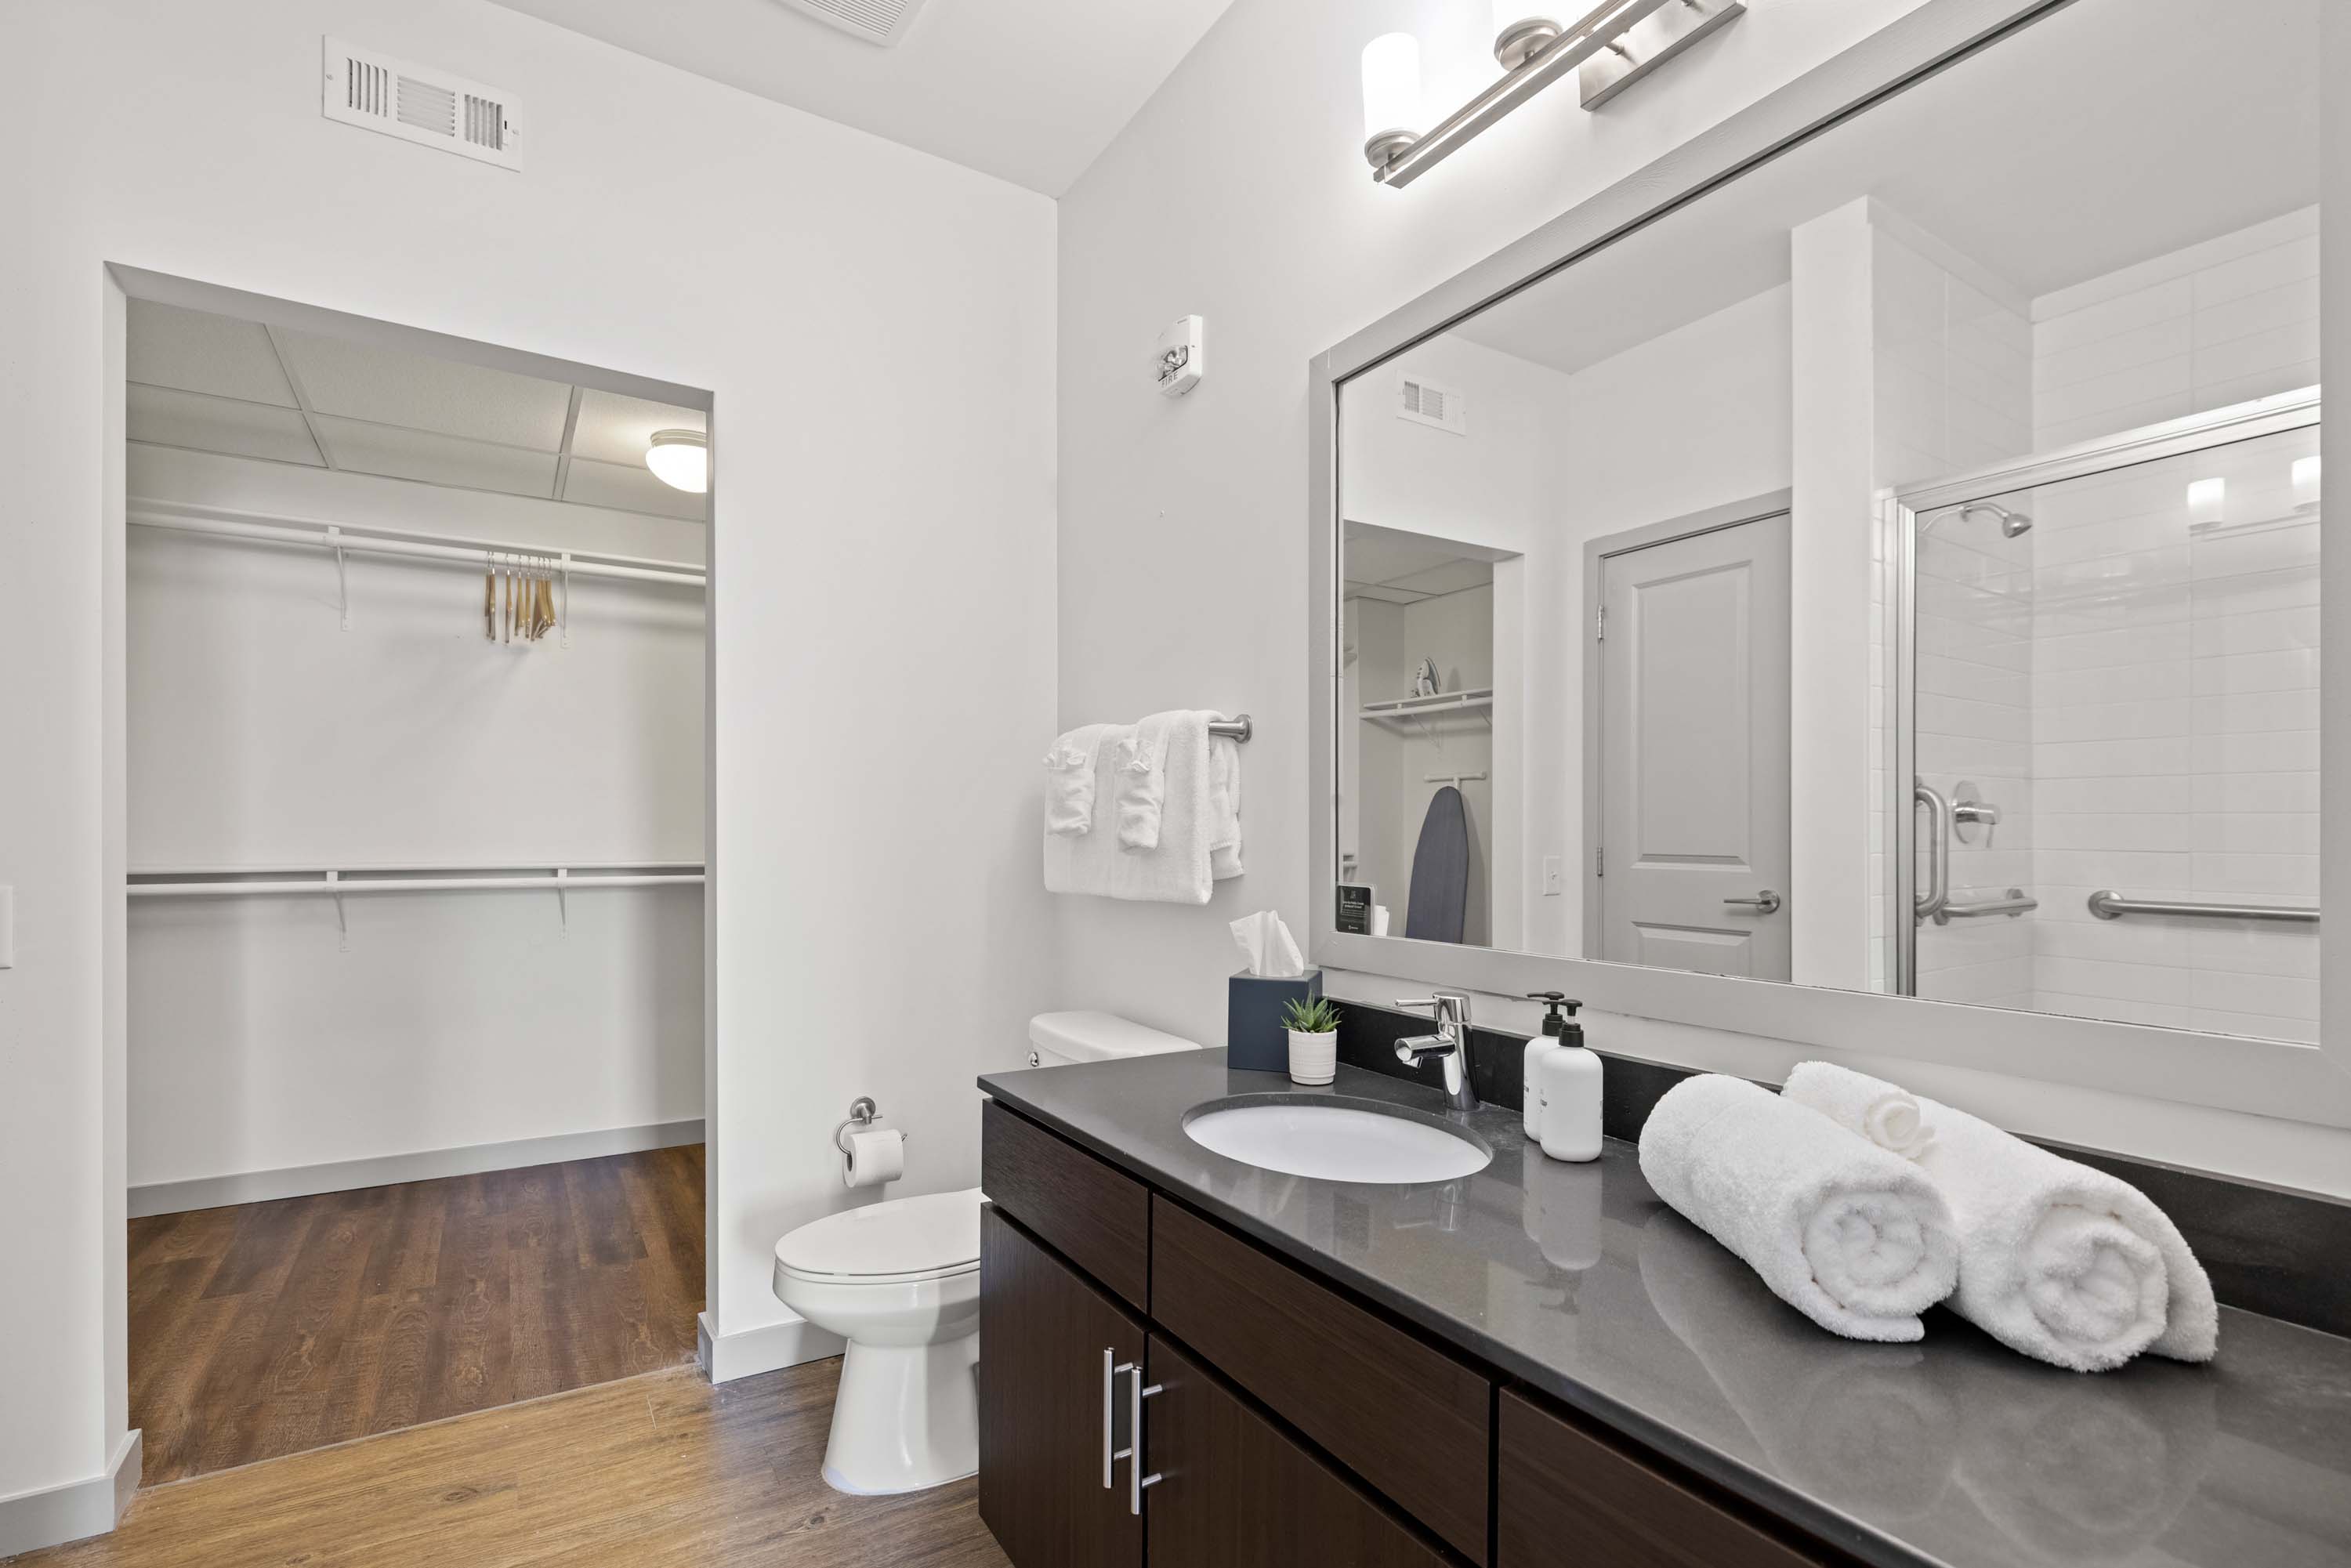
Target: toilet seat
x=902, y=1241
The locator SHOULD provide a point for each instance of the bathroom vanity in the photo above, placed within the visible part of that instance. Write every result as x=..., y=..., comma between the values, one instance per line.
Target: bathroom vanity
x=1539, y=1364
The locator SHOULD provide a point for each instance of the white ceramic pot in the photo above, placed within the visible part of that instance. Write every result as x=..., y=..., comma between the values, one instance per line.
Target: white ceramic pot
x=1314, y=1058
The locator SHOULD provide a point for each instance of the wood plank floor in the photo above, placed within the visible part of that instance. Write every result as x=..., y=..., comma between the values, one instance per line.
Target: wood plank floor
x=271, y=1328
x=659, y=1469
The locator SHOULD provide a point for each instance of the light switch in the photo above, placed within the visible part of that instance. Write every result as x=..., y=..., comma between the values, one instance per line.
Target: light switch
x=7, y=927
x=1554, y=877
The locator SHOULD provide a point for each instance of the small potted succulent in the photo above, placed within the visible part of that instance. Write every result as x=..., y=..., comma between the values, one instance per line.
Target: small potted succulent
x=1314, y=1026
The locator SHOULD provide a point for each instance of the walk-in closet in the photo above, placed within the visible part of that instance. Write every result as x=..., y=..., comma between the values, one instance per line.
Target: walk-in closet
x=415, y=725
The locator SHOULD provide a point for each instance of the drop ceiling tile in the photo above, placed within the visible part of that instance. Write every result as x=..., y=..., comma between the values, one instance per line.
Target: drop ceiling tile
x=365, y=448
x=630, y=487
x=1451, y=578
x=197, y=351
x=1384, y=595
x=616, y=429
x=1384, y=561
x=390, y=386
x=203, y=423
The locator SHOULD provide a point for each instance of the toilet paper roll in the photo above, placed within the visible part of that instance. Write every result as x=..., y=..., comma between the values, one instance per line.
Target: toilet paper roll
x=874, y=1157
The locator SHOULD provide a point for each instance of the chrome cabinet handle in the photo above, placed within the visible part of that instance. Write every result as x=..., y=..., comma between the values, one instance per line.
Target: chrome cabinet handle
x=1765, y=903
x=1136, y=1480
x=1112, y=1368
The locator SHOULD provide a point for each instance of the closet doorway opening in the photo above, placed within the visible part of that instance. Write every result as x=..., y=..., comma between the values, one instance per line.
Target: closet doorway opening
x=413, y=765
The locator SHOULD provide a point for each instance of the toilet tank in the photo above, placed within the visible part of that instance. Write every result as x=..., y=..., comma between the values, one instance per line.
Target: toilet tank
x=1058, y=1038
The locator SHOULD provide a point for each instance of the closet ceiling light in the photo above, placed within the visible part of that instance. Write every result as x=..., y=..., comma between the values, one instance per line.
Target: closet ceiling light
x=680, y=459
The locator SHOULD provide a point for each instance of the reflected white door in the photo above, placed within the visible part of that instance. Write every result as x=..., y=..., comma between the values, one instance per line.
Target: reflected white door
x=1694, y=760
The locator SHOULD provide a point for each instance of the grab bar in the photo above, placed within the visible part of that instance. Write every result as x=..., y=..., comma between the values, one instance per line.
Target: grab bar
x=1939, y=849
x=2108, y=905
x=2014, y=904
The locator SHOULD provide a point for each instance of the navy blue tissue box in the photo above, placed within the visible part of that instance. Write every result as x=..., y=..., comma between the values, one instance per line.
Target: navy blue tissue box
x=1256, y=1039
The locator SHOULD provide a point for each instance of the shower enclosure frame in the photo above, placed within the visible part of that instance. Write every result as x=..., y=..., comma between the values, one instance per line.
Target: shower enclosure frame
x=1898, y=516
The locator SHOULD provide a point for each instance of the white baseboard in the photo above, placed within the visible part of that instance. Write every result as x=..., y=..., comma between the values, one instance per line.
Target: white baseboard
x=346, y=1176
x=726, y=1357
x=75, y=1511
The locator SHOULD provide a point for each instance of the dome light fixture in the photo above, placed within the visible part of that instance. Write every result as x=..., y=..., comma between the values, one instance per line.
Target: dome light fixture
x=681, y=460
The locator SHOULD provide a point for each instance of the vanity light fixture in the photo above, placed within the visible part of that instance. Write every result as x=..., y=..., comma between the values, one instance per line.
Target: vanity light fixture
x=1610, y=48
x=680, y=459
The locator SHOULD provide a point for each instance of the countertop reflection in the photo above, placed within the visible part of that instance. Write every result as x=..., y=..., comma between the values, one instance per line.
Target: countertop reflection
x=1577, y=1279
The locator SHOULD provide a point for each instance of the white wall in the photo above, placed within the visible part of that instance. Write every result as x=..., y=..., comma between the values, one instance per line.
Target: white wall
x=263, y=735
x=882, y=588
x=1184, y=528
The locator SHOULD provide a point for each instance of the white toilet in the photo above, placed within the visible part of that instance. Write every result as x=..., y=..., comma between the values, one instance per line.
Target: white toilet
x=900, y=1281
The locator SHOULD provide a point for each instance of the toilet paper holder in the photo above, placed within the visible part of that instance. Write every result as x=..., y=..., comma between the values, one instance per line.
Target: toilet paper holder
x=862, y=1114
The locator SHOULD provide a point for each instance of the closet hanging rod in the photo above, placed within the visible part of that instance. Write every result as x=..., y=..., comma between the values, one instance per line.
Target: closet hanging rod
x=262, y=527
x=337, y=885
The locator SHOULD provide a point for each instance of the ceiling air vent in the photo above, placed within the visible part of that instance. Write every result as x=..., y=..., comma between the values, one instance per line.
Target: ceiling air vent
x=883, y=22
x=419, y=104
x=1426, y=402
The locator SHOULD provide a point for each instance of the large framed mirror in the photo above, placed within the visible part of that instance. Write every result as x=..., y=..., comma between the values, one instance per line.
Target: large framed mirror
x=1876, y=552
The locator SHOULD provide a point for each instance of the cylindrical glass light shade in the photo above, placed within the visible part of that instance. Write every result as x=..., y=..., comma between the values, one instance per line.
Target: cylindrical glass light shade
x=1391, y=87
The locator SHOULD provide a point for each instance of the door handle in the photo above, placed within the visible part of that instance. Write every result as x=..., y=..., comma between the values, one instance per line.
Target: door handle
x=1136, y=1480
x=1765, y=903
x=1939, y=849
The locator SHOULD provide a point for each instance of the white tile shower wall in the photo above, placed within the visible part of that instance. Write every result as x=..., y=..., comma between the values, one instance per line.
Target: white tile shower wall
x=2175, y=688
x=1951, y=365
x=2225, y=321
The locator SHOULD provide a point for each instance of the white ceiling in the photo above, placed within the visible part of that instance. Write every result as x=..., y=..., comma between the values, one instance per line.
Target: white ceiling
x=2099, y=136
x=1396, y=568
x=1030, y=91
x=217, y=383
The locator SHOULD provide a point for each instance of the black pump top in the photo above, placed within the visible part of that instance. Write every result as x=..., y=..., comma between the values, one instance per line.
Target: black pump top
x=1566, y=1029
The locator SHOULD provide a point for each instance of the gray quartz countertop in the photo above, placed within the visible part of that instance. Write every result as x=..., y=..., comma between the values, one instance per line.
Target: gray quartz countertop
x=1577, y=1280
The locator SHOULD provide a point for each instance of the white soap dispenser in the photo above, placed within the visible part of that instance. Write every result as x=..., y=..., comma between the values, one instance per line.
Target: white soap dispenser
x=1542, y=1045
x=1567, y=1081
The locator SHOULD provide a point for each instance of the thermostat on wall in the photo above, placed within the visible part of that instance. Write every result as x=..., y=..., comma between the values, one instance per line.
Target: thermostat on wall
x=1176, y=363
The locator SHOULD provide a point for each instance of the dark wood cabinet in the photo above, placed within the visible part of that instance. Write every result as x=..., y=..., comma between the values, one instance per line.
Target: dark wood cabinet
x=1568, y=1498
x=1042, y=1331
x=1412, y=1421
x=1235, y=1492
x=1097, y=1218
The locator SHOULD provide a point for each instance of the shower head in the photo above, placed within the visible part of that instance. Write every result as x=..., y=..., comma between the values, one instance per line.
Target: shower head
x=2012, y=523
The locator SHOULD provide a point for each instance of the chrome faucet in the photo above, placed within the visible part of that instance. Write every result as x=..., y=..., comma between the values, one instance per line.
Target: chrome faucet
x=1450, y=1045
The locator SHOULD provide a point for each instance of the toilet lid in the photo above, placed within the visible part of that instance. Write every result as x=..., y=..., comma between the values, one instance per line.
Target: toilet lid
x=904, y=1239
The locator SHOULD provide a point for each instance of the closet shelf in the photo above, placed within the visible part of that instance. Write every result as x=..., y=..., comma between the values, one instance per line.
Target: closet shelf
x=1401, y=709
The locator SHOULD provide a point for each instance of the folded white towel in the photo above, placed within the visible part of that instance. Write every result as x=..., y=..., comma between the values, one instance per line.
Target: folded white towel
x=1070, y=779
x=1885, y=1113
x=1184, y=865
x=1139, y=763
x=1851, y=1236
x=1225, y=805
x=2056, y=1259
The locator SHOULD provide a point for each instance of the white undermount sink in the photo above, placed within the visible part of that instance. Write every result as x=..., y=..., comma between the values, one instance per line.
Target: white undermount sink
x=1335, y=1140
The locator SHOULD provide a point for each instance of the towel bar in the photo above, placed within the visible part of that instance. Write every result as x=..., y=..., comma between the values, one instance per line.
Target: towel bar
x=2108, y=905
x=1237, y=729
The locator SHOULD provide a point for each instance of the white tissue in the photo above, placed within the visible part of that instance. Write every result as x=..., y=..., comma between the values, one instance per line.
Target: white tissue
x=1269, y=947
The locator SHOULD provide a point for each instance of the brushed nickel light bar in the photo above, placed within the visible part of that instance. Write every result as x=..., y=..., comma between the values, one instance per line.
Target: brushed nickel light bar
x=1611, y=48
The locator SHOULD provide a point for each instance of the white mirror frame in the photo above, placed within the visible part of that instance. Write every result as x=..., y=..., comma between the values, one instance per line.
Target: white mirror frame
x=2273, y=1078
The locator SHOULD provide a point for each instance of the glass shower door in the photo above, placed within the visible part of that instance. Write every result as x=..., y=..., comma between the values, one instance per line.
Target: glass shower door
x=2107, y=717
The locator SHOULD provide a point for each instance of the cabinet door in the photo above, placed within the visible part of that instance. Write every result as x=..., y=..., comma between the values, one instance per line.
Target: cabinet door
x=1042, y=1331
x=1569, y=1498
x=1235, y=1492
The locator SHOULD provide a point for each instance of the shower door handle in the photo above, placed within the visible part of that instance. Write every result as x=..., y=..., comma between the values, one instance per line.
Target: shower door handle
x=1930, y=903
x=1765, y=903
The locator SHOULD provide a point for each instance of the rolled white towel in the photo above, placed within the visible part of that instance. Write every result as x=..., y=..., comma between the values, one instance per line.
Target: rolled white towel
x=1851, y=1236
x=1885, y=1113
x=2058, y=1260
